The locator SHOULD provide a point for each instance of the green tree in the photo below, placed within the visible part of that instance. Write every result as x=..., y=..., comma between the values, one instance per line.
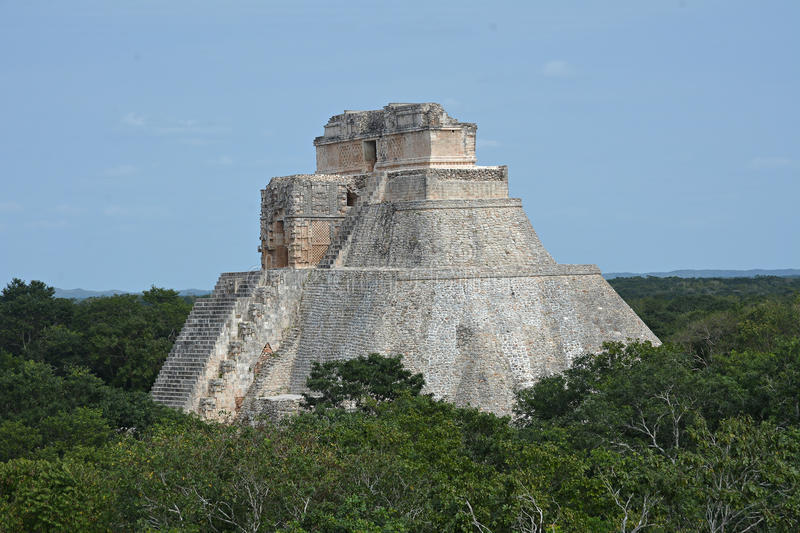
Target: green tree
x=355, y=381
x=127, y=337
x=60, y=495
x=742, y=477
x=26, y=309
x=43, y=414
x=59, y=346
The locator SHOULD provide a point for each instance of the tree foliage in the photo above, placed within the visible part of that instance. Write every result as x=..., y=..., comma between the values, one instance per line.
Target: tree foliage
x=699, y=434
x=43, y=414
x=357, y=381
x=122, y=339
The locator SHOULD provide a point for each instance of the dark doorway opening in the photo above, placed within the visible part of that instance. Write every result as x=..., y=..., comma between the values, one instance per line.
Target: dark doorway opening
x=281, y=257
x=351, y=198
x=370, y=155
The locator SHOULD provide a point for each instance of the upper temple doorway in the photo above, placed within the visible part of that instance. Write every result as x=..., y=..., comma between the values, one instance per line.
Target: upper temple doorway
x=370, y=155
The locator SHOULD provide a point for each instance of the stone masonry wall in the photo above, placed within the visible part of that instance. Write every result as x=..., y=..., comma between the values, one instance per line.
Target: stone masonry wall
x=447, y=183
x=476, y=335
x=465, y=290
x=226, y=338
x=444, y=233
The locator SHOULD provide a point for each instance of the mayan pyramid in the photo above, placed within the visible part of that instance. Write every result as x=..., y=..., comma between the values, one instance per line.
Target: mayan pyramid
x=398, y=244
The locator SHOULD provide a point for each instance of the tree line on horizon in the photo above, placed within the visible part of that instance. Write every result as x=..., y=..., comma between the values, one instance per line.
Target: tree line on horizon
x=699, y=434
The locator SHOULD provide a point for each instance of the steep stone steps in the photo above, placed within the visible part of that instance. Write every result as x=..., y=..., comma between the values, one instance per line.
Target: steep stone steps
x=372, y=195
x=181, y=374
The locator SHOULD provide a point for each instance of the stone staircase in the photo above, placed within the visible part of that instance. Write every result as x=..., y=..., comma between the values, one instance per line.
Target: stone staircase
x=373, y=194
x=180, y=380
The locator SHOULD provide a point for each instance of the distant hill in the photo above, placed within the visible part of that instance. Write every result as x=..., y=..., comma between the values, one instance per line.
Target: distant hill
x=784, y=273
x=82, y=294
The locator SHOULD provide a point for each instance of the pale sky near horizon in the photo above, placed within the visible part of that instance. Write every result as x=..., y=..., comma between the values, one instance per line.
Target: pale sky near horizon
x=641, y=136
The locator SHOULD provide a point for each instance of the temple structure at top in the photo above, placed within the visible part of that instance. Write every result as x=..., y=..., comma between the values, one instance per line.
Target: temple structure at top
x=399, y=136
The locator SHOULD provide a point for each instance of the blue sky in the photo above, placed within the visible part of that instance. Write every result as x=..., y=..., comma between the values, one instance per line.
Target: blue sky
x=641, y=136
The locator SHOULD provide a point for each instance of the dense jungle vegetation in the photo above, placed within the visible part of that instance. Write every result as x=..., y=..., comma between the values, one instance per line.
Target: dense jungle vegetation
x=699, y=434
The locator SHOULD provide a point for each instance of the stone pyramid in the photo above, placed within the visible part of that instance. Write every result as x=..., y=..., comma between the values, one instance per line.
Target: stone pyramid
x=398, y=244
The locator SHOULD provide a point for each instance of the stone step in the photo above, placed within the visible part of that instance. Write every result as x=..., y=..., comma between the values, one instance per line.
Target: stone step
x=172, y=392
x=184, y=371
x=181, y=375
x=186, y=363
x=173, y=385
x=204, y=346
x=184, y=379
x=172, y=398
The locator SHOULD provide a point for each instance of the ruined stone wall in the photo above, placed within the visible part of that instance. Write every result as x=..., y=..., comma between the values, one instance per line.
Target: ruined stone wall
x=465, y=189
x=444, y=143
x=422, y=148
x=408, y=148
x=272, y=408
x=406, y=187
x=468, y=183
x=498, y=173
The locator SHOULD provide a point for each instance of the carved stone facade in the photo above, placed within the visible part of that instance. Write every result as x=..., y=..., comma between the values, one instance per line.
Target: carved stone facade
x=300, y=217
x=399, y=244
x=399, y=136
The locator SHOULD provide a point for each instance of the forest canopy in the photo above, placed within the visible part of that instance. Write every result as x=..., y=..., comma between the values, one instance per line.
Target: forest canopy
x=699, y=434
